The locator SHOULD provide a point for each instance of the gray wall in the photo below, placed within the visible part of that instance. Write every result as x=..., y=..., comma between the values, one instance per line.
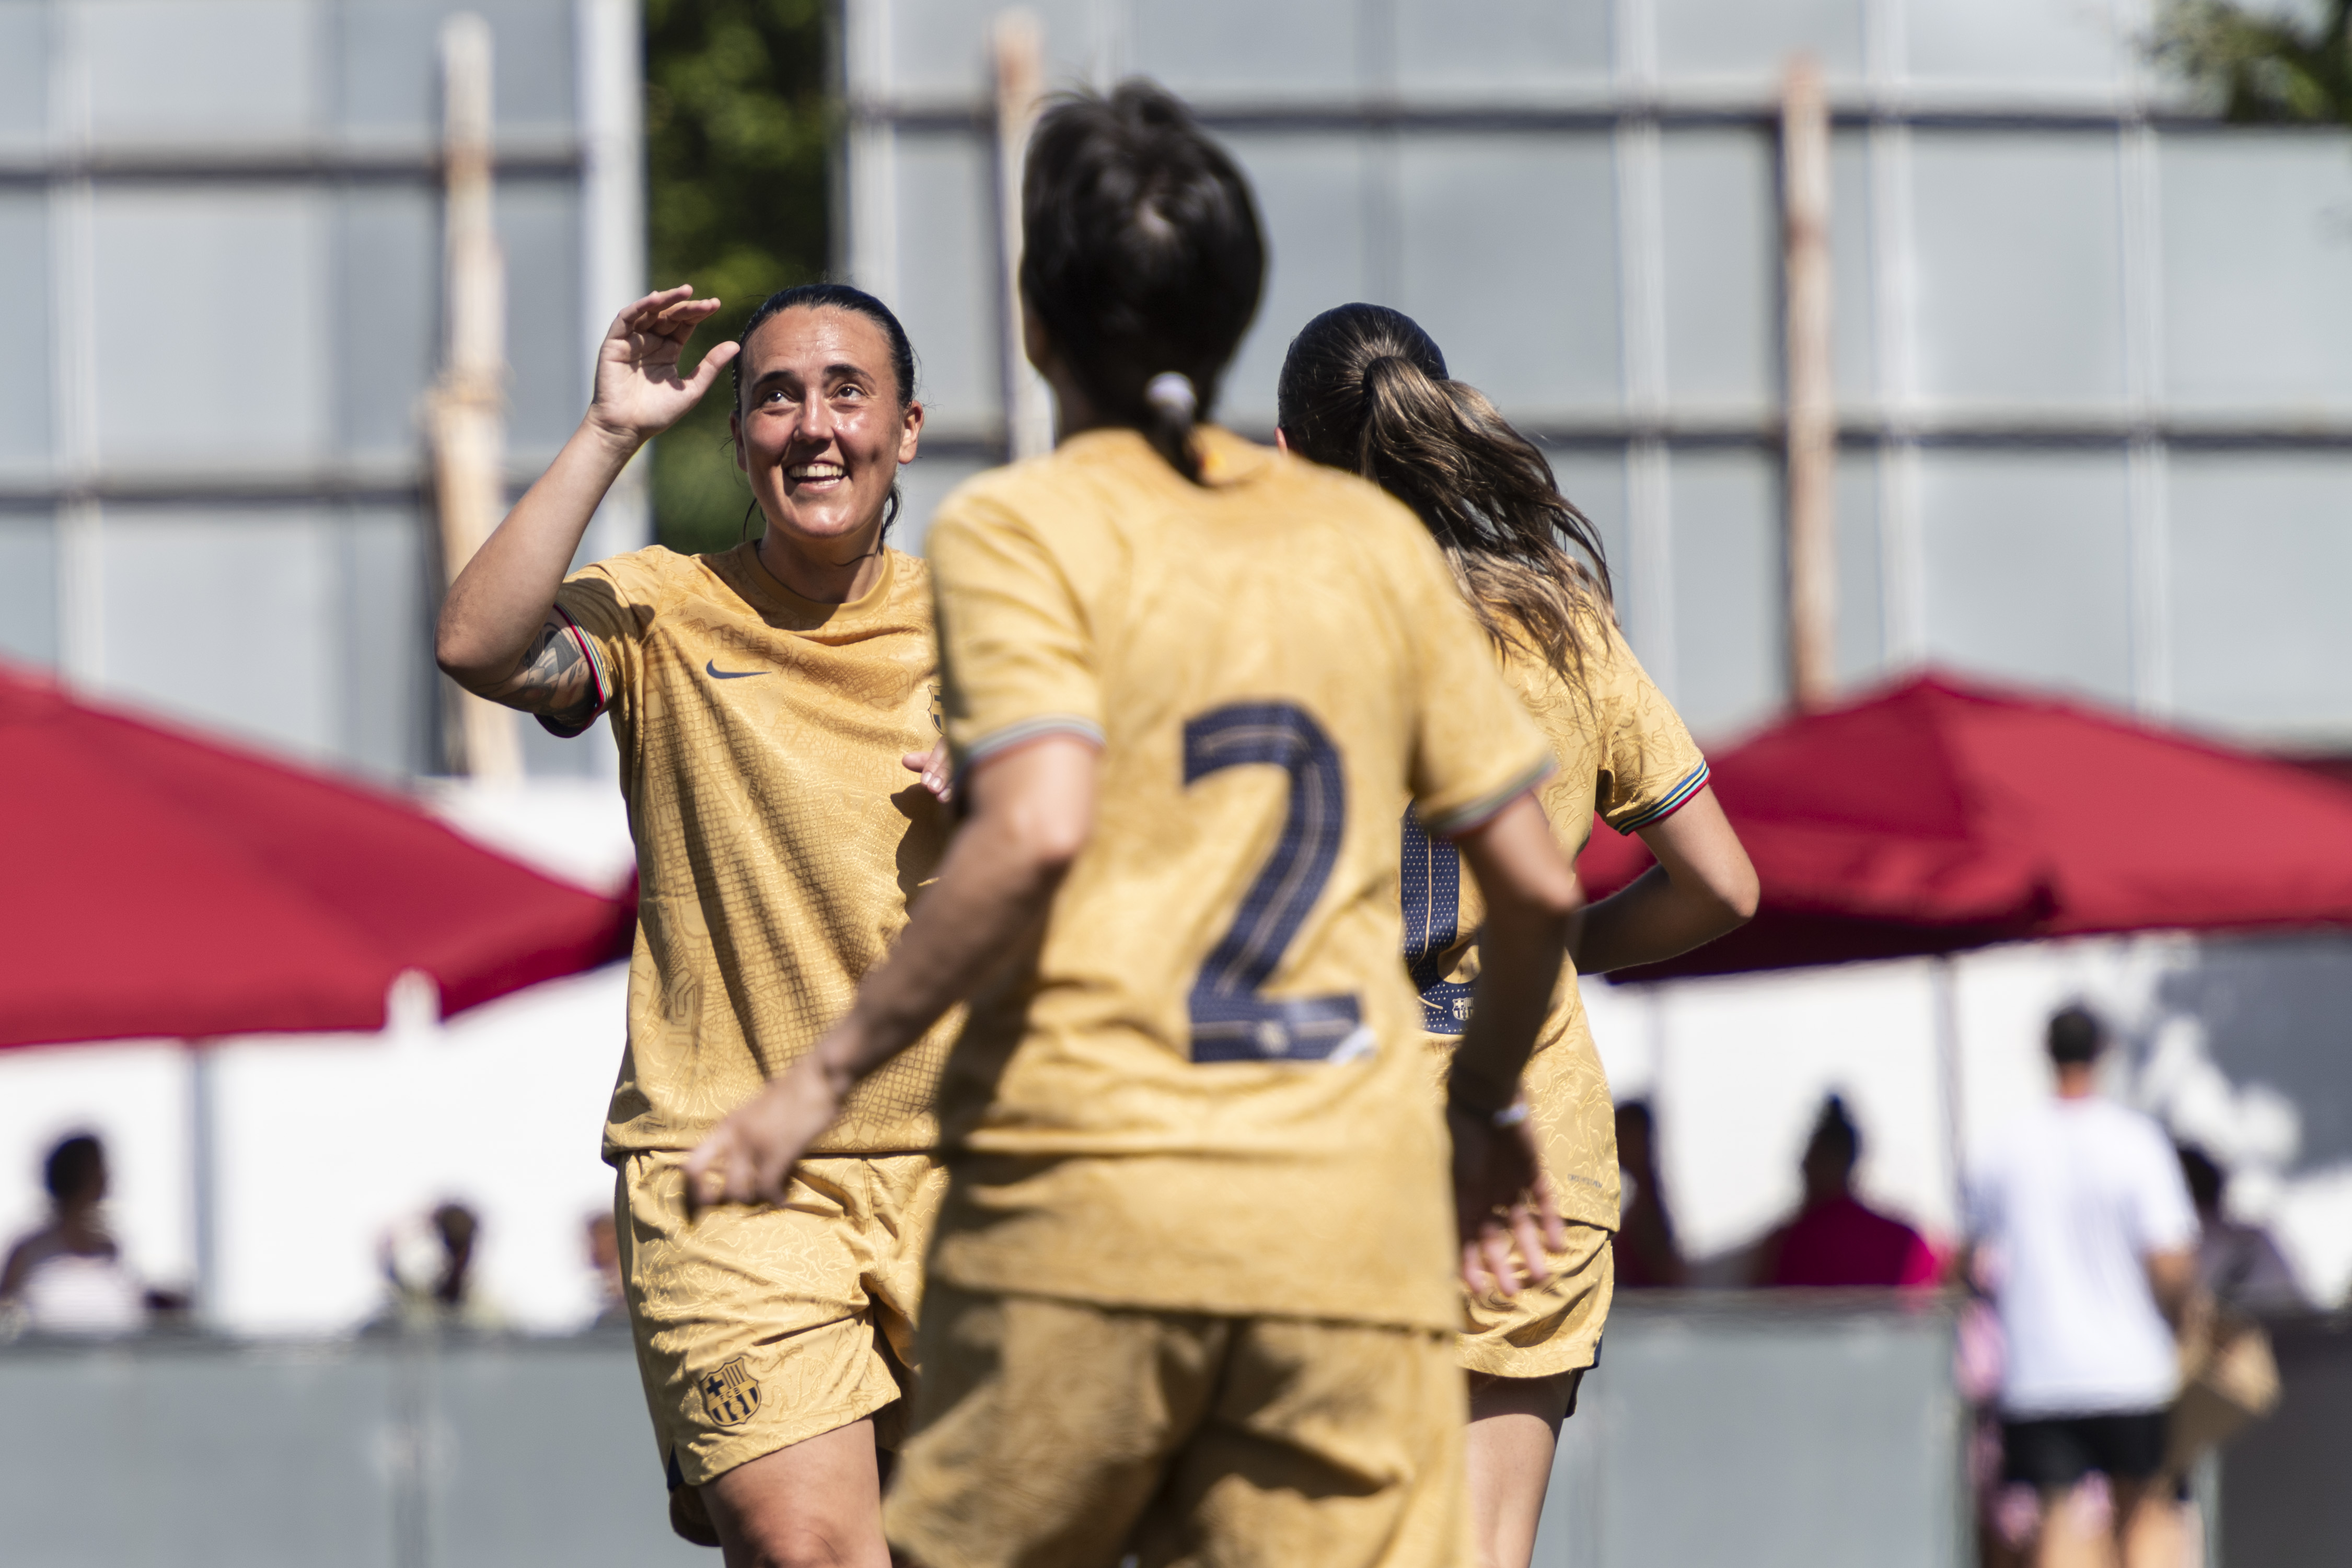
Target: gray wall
x=1719, y=1431
x=380, y=1455
x=1736, y=1434
x=2093, y=350
x=221, y=221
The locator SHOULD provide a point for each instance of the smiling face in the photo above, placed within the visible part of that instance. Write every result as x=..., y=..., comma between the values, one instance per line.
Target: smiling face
x=820, y=429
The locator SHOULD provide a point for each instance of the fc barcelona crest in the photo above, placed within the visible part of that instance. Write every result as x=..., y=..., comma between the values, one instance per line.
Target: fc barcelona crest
x=731, y=1396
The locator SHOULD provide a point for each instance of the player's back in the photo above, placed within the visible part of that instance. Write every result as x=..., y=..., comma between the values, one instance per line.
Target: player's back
x=1205, y=1092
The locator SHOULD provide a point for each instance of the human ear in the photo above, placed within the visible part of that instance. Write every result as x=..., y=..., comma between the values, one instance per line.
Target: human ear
x=910, y=432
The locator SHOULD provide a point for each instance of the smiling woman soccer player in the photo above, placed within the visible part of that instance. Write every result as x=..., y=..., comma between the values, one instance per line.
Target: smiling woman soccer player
x=1363, y=388
x=762, y=699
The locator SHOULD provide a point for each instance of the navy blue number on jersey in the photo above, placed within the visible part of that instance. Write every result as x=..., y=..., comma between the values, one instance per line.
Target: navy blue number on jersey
x=1230, y=1021
x=1431, y=892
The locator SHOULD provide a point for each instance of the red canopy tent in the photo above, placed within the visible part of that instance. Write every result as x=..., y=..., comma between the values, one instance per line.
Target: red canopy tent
x=160, y=884
x=1941, y=815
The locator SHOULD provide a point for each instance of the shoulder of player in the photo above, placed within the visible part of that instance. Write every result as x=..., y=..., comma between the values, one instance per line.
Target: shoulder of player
x=654, y=576
x=1374, y=534
x=910, y=585
x=1030, y=496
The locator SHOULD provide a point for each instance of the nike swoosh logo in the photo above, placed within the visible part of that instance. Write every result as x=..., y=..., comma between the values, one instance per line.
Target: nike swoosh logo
x=718, y=674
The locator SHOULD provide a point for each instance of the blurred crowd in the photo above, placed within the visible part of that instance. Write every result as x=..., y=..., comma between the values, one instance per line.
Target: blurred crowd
x=68, y=1277
x=2099, y=1265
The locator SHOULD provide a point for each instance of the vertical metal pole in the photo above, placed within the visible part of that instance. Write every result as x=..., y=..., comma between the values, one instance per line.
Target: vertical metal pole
x=1017, y=44
x=612, y=210
x=204, y=1175
x=1902, y=586
x=73, y=307
x=468, y=406
x=1944, y=985
x=1648, y=600
x=2149, y=553
x=1810, y=396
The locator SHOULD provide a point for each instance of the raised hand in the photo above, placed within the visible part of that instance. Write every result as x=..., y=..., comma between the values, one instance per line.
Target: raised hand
x=639, y=389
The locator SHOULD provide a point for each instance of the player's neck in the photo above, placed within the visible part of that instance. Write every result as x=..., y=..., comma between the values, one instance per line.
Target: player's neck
x=1075, y=412
x=2077, y=1081
x=823, y=578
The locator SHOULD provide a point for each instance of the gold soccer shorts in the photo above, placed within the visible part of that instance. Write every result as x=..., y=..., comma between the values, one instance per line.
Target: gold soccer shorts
x=759, y=1328
x=1549, y=1328
x=1058, y=1434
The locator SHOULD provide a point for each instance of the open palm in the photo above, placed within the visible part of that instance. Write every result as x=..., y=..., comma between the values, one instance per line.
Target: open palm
x=639, y=389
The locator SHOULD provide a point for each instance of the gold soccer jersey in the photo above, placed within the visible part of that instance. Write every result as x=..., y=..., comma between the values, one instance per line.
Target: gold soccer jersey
x=1204, y=1090
x=1620, y=751
x=778, y=838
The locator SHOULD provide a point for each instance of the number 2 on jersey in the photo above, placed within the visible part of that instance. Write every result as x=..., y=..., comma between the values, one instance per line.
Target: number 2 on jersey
x=1231, y=1021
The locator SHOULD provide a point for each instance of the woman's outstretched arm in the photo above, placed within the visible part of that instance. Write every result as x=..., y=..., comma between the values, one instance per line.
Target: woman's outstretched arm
x=1702, y=887
x=499, y=635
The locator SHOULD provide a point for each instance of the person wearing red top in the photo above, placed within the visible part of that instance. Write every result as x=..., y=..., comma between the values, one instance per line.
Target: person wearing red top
x=1836, y=1240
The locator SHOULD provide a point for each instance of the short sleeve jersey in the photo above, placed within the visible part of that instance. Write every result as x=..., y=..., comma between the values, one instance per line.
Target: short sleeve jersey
x=778, y=836
x=1201, y=1090
x=1622, y=752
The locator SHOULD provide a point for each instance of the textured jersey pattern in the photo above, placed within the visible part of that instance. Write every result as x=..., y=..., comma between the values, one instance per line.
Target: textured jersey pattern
x=1204, y=1091
x=779, y=837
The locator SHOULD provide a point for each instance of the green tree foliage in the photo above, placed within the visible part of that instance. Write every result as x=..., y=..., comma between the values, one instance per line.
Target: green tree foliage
x=739, y=127
x=2264, y=63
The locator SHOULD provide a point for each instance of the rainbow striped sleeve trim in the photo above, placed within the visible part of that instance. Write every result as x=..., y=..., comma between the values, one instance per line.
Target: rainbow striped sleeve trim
x=598, y=682
x=596, y=676
x=1676, y=799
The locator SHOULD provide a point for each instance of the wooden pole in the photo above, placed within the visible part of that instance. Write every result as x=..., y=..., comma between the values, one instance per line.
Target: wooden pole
x=467, y=404
x=1810, y=397
x=1018, y=45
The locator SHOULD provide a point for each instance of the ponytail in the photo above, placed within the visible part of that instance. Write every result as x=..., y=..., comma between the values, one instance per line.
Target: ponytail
x=1175, y=406
x=1364, y=388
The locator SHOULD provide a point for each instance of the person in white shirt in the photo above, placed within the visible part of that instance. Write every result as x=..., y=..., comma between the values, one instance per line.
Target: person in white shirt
x=2088, y=1239
x=68, y=1277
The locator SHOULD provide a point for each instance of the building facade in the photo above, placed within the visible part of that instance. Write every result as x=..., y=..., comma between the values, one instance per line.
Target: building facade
x=2092, y=350
x=221, y=227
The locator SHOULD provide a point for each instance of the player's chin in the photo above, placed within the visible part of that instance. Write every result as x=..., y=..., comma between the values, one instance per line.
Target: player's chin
x=838, y=512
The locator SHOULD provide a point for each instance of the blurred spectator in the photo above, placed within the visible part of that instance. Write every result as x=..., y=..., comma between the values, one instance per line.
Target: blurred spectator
x=604, y=1257
x=1835, y=1240
x=2238, y=1264
x=2091, y=1239
x=429, y=1266
x=69, y=1276
x=1646, y=1257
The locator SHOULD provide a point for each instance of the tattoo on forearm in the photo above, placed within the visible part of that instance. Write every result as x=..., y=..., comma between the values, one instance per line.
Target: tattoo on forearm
x=554, y=681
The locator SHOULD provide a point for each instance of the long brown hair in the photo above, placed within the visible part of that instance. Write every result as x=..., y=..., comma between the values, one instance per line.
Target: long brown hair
x=1364, y=388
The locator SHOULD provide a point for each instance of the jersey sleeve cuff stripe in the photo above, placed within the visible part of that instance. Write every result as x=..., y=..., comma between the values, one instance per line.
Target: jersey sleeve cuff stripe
x=1026, y=730
x=1477, y=813
x=596, y=676
x=1676, y=799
